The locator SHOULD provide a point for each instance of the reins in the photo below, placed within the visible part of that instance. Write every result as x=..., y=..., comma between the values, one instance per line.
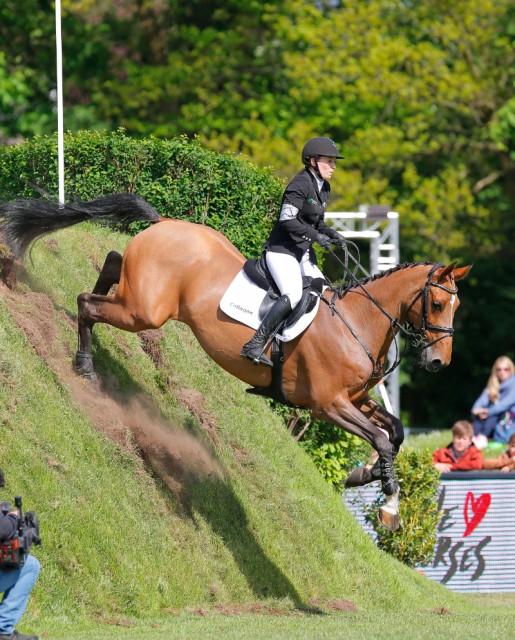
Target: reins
x=417, y=336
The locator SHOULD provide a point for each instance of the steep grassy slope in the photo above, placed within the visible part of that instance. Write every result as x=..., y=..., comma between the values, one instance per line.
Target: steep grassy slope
x=163, y=484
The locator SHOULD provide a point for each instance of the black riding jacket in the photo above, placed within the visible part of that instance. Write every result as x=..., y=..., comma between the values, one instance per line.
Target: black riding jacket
x=295, y=235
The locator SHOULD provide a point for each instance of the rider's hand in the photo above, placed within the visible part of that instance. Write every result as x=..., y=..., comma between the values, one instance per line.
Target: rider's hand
x=323, y=240
x=340, y=242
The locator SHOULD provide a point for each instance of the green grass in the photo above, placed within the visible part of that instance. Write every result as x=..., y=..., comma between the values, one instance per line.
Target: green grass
x=432, y=440
x=128, y=537
x=482, y=620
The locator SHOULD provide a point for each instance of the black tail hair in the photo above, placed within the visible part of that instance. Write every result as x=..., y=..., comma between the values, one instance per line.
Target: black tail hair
x=26, y=220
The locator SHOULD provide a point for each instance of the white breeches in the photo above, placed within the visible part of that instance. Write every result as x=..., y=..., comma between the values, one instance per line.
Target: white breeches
x=287, y=273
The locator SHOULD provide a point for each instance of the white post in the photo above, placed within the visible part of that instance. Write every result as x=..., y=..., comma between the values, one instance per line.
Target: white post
x=60, y=128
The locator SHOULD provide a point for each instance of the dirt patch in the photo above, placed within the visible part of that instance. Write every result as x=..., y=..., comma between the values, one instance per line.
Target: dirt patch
x=131, y=422
x=196, y=405
x=151, y=345
x=442, y=611
x=34, y=314
x=113, y=620
x=253, y=608
x=243, y=456
x=341, y=605
x=345, y=606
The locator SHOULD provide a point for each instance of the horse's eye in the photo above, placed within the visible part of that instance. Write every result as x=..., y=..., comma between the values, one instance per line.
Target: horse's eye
x=437, y=306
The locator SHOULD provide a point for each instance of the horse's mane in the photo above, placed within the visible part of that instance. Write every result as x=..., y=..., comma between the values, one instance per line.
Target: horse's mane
x=383, y=274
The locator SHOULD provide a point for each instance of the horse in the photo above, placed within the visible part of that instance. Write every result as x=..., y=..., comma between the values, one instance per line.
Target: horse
x=178, y=270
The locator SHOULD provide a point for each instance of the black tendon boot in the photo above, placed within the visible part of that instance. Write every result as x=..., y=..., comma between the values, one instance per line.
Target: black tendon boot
x=255, y=346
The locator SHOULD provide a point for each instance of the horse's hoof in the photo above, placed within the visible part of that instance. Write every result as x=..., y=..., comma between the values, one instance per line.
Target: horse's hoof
x=388, y=519
x=84, y=366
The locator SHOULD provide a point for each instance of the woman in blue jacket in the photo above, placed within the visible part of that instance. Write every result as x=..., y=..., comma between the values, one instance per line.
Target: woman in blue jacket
x=289, y=251
x=494, y=410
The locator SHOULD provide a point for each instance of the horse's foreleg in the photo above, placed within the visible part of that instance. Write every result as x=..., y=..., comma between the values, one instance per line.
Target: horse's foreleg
x=344, y=414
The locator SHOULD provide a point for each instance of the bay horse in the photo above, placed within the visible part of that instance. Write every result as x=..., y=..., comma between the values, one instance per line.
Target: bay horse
x=177, y=270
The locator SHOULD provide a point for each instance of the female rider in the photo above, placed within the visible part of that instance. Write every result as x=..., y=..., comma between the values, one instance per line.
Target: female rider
x=289, y=251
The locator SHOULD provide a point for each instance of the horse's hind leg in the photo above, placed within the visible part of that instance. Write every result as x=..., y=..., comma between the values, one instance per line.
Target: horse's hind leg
x=109, y=275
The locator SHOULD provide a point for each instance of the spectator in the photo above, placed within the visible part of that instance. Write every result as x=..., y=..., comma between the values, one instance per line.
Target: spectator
x=494, y=410
x=506, y=461
x=461, y=454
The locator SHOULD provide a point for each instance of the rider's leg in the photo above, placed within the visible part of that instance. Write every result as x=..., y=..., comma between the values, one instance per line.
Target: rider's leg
x=308, y=268
x=286, y=273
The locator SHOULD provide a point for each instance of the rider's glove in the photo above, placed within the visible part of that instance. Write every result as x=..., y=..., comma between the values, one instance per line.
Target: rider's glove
x=323, y=240
x=340, y=242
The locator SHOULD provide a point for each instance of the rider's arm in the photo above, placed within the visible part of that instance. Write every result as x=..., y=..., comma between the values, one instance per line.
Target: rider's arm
x=294, y=199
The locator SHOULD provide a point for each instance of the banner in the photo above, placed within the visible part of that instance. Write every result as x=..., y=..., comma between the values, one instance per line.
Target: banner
x=475, y=549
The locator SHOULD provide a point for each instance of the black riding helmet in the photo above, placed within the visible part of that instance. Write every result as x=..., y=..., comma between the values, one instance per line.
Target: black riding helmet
x=317, y=147
x=320, y=146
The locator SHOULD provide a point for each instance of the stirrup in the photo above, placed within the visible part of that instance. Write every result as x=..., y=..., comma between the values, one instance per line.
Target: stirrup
x=259, y=359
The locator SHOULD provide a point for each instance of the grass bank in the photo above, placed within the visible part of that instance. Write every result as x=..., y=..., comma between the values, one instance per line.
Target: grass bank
x=163, y=486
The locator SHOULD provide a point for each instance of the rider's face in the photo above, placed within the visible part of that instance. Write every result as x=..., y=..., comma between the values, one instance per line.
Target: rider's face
x=326, y=166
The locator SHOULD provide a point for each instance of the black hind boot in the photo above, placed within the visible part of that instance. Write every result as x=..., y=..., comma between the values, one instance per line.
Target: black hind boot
x=276, y=315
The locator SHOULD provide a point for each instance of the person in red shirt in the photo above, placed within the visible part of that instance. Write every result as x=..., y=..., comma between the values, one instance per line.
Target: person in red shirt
x=461, y=454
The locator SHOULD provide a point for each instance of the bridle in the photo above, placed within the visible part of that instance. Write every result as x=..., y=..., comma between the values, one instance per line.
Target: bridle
x=418, y=337
x=425, y=324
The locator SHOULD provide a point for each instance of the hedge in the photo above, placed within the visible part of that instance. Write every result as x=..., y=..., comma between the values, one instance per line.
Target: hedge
x=179, y=177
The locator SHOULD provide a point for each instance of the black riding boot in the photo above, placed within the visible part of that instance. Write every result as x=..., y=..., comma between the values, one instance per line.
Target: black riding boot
x=255, y=346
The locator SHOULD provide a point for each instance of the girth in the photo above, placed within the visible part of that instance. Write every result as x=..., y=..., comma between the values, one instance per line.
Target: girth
x=275, y=388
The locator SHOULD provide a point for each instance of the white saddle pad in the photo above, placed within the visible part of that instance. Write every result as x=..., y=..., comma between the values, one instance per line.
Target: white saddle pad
x=242, y=300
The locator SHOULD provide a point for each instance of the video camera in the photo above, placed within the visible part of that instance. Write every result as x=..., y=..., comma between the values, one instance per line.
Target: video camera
x=13, y=551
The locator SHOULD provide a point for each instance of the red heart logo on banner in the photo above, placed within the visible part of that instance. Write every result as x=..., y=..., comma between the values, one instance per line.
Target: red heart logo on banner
x=478, y=507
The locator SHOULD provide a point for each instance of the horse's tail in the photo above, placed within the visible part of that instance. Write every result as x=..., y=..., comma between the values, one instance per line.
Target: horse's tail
x=26, y=220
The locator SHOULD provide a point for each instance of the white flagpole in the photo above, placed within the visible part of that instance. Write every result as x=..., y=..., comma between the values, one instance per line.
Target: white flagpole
x=60, y=128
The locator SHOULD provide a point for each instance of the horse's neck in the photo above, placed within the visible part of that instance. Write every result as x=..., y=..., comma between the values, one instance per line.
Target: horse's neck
x=397, y=290
x=393, y=294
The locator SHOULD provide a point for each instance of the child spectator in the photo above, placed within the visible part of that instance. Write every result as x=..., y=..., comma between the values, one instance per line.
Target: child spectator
x=504, y=462
x=461, y=454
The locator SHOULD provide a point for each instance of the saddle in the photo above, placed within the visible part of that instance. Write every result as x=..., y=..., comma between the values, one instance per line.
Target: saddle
x=257, y=270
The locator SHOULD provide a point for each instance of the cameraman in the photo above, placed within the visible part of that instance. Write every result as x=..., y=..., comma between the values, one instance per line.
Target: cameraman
x=15, y=583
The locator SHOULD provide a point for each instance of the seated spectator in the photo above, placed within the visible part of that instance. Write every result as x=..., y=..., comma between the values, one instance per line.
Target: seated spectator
x=461, y=454
x=506, y=461
x=494, y=410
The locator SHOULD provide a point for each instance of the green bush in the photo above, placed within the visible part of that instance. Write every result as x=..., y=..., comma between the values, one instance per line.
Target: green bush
x=413, y=543
x=179, y=177
x=334, y=451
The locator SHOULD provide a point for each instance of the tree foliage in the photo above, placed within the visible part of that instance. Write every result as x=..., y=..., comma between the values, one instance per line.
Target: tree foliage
x=418, y=95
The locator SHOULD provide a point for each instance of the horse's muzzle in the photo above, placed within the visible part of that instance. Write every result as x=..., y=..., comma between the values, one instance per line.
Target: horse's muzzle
x=434, y=365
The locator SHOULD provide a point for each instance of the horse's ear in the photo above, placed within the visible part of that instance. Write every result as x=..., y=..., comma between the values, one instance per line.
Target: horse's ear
x=443, y=272
x=460, y=273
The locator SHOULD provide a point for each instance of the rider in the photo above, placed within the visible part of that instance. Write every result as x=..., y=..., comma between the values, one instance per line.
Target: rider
x=289, y=251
